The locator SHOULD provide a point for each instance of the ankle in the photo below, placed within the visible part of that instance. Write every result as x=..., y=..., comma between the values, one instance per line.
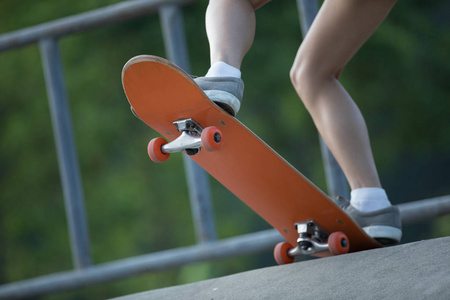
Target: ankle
x=222, y=69
x=369, y=199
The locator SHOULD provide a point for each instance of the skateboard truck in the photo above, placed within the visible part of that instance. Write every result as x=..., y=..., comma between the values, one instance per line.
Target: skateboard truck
x=312, y=240
x=193, y=137
x=189, y=140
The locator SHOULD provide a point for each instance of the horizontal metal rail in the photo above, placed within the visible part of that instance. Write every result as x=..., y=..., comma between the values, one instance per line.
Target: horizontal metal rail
x=246, y=244
x=116, y=13
x=418, y=211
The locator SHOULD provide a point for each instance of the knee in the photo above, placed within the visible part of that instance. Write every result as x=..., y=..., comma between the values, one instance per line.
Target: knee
x=303, y=79
x=309, y=78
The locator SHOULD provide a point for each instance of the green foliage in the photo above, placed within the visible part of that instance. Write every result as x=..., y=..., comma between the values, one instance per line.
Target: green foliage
x=399, y=79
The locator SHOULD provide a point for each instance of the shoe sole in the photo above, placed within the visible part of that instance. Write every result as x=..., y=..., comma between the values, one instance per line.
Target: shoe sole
x=386, y=235
x=227, y=101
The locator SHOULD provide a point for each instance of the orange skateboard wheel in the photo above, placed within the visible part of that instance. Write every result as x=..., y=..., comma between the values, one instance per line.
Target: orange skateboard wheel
x=154, y=150
x=212, y=139
x=281, y=253
x=338, y=243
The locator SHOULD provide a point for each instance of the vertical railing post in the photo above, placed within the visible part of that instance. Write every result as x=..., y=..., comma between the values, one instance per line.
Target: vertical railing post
x=67, y=158
x=197, y=180
x=335, y=178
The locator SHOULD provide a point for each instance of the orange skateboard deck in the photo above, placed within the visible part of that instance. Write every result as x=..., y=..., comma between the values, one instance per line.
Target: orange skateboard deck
x=160, y=93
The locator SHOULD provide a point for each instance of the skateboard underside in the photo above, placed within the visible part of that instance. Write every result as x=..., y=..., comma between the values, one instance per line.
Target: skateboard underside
x=161, y=95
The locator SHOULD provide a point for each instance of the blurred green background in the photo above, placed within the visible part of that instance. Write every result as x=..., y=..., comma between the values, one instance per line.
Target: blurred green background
x=399, y=79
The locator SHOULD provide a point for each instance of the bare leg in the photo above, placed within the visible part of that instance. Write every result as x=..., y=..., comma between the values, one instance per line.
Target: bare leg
x=230, y=25
x=340, y=29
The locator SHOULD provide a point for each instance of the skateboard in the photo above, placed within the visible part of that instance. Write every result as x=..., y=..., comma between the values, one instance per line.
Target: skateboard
x=168, y=100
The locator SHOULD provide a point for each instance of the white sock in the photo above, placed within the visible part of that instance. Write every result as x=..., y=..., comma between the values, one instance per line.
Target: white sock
x=221, y=69
x=369, y=199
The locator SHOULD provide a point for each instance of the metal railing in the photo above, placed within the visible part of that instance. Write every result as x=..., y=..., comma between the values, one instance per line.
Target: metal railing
x=207, y=247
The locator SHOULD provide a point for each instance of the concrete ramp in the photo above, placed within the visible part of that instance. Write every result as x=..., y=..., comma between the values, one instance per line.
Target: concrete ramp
x=419, y=270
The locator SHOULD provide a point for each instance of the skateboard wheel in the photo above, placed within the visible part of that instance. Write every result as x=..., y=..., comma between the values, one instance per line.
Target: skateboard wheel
x=212, y=139
x=281, y=253
x=155, y=151
x=338, y=243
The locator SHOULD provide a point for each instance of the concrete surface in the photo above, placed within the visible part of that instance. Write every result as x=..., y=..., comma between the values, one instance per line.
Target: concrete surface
x=419, y=270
